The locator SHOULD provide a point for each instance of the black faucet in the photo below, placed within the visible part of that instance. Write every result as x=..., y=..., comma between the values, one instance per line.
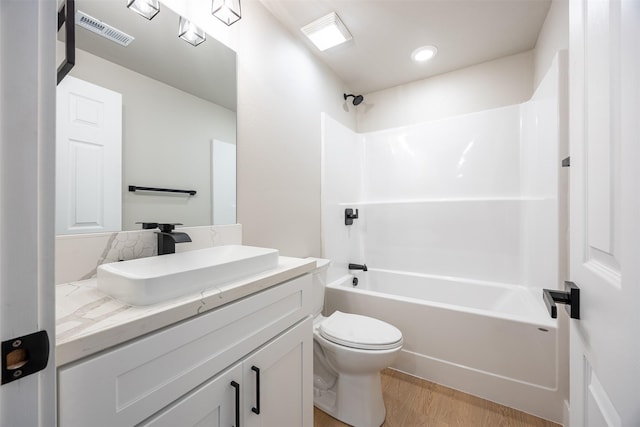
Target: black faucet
x=167, y=238
x=362, y=267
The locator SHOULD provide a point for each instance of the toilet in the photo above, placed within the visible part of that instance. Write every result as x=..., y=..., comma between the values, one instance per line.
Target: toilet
x=349, y=351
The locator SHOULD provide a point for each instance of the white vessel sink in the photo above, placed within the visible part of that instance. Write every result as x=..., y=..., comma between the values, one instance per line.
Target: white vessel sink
x=150, y=280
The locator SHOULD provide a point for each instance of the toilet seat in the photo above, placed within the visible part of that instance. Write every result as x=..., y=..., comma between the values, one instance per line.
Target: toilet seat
x=361, y=332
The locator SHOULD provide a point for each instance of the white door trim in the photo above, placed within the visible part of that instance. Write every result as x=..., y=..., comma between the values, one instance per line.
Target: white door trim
x=27, y=167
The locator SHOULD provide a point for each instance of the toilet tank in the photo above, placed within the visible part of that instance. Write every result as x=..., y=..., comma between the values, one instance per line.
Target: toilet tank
x=319, y=281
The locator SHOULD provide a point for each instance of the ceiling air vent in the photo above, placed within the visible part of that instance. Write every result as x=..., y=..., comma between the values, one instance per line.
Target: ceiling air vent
x=105, y=30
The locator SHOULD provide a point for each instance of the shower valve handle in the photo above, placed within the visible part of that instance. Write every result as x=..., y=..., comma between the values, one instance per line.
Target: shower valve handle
x=349, y=216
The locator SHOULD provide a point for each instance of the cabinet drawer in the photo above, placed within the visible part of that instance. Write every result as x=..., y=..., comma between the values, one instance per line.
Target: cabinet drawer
x=125, y=385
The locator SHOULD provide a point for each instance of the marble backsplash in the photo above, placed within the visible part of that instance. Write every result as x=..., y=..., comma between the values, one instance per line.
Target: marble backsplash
x=78, y=256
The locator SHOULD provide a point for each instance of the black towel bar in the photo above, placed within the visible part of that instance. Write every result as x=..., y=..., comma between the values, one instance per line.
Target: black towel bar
x=163, y=190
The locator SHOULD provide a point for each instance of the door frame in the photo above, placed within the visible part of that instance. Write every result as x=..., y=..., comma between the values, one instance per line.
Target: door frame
x=27, y=198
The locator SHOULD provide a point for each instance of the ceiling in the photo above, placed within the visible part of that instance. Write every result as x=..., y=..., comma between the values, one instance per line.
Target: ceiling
x=385, y=32
x=207, y=71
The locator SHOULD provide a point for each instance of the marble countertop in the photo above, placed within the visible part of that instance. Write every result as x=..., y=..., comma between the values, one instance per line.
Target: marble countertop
x=89, y=321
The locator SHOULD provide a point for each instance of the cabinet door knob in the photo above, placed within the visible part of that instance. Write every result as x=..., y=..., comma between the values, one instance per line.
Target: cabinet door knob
x=256, y=409
x=237, y=387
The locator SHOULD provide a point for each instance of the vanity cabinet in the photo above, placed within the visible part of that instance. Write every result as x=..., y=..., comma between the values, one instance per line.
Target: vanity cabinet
x=232, y=398
x=187, y=374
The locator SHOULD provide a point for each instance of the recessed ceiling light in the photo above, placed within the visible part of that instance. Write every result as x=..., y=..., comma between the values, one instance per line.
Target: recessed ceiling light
x=424, y=53
x=327, y=32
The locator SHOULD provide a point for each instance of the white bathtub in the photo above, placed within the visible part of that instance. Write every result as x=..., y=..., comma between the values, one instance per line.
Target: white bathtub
x=492, y=340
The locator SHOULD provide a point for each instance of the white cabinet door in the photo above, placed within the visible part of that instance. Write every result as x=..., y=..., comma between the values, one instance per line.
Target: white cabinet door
x=215, y=404
x=88, y=158
x=278, y=383
x=605, y=211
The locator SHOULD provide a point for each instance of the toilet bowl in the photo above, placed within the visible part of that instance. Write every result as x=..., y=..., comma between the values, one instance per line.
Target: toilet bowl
x=350, y=350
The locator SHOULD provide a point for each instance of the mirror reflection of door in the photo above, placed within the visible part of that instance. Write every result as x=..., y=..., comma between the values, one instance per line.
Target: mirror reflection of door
x=88, y=158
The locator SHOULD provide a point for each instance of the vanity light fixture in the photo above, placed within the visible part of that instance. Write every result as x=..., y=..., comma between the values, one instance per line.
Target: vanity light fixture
x=424, y=53
x=190, y=32
x=228, y=11
x=327, y=32
x=146, y=8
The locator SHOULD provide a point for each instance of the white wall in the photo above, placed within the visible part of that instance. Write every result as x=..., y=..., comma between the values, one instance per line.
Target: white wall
x=553, y=37
x=282, y=90
x=342, y=180
x=493, y=84
x=156, y=152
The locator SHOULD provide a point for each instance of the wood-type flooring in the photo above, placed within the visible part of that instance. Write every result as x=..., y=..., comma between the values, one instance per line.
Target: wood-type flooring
x=413, y=402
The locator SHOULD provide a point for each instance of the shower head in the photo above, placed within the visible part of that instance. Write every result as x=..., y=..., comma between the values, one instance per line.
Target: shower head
x=357, y=99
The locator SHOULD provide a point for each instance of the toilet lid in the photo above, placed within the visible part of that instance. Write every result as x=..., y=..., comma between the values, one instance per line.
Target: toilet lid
x=356, y=331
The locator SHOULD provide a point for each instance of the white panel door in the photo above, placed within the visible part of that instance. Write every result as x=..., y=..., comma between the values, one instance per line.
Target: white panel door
x=88, y=158
x=605, y=211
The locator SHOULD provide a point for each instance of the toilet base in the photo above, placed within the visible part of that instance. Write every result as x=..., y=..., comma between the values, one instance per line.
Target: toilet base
x=354, y=399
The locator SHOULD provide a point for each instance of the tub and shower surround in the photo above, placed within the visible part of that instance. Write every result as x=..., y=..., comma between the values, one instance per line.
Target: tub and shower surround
x=469, y=199
x=455, y=197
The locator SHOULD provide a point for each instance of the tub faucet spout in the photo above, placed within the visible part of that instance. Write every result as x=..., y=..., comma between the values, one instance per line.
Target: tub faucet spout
x=362, y=267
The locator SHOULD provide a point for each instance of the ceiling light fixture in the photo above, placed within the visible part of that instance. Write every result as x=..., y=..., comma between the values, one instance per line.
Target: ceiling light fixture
x=190, y=32
x=424, y=53
x=228, y=11
x=146, y=8
x=327, y=32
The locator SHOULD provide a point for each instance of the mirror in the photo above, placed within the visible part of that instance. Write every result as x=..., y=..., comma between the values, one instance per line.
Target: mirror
x=178, y=114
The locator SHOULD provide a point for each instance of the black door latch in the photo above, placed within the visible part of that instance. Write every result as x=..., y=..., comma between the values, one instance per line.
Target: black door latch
x=570, y=297
x=24, y=356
